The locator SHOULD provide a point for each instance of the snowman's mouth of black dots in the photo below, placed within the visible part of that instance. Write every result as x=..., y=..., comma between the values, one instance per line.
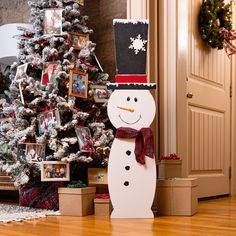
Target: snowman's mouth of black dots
x=130, y=123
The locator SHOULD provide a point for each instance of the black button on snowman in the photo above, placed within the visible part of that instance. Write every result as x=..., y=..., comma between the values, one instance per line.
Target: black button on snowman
x=128, y=153
x=131, y=109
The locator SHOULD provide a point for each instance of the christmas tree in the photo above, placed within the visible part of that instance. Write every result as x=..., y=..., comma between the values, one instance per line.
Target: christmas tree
x=57, y=97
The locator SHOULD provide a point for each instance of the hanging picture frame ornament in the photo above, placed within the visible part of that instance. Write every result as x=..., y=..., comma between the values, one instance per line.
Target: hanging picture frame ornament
x=215, y=25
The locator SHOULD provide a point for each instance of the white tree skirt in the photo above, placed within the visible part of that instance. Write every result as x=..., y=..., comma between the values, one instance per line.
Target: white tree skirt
x=9, y=213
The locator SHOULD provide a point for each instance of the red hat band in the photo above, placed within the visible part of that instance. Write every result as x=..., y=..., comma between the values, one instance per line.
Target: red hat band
x=131, y=78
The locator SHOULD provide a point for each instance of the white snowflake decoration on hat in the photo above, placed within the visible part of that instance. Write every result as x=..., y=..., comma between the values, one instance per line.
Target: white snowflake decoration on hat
x=137, y=44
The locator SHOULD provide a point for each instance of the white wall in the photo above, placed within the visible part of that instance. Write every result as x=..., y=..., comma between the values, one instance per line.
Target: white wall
x=8, y=43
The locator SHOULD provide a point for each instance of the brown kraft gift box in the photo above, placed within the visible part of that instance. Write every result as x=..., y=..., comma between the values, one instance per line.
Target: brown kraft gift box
x=103, y=207
x=76, y=201
x=177, y=196
x=169, y=169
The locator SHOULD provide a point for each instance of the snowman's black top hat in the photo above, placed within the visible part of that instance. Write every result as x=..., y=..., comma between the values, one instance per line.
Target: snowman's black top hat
x=131, y=40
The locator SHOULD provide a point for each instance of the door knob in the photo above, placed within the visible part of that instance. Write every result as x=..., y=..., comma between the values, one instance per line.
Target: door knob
x=189, y=95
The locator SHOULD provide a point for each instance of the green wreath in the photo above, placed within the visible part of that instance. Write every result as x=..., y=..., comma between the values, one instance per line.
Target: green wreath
x=214, y=15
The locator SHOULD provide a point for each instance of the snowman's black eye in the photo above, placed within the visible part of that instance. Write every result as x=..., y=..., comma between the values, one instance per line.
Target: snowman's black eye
x=135, y=99
x=128, y=99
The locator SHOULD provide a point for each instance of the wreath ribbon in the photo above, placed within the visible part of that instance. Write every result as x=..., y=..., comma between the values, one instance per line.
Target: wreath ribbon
x=230, y=49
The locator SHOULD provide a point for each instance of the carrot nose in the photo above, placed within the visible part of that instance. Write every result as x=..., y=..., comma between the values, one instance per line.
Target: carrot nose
x=126, y=109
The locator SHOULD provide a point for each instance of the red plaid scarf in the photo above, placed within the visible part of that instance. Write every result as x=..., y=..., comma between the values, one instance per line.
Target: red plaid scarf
x=143, y=142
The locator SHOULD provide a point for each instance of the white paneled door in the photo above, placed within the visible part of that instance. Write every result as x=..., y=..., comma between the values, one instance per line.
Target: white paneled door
x=207, y=107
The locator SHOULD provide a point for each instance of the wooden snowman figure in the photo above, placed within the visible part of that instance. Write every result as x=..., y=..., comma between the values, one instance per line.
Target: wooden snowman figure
x=131, y=109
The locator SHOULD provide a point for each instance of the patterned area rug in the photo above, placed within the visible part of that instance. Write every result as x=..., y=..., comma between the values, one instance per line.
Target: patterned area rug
x=9, y=213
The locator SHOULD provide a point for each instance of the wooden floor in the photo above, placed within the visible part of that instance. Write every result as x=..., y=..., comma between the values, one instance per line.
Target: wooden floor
x=215, y=217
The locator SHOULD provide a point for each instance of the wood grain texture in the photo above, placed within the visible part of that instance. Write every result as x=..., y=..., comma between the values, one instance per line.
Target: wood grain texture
x=206, y=139
x=6, y=182
x=214, y=217
x=204, y=144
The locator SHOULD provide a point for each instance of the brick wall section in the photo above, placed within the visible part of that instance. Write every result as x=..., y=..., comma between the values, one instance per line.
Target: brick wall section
x=14, y=11
x=102, y=13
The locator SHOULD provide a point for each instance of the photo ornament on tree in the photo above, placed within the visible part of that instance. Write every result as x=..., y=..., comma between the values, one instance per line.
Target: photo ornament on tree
x=50, y=71
x=100, y=93
x=78, y=86
x=53, y=21
x=36, y=152
x=48, y=120
x=78, y=41
x=84, y=139
x=55, y=171
x=21, y=71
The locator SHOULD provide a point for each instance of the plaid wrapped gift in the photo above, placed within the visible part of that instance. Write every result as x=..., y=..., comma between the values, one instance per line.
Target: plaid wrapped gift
x=41, y=195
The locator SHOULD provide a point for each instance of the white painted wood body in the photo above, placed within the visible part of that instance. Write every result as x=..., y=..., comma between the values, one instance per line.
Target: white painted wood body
x=134, y=200
x=131, y=185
